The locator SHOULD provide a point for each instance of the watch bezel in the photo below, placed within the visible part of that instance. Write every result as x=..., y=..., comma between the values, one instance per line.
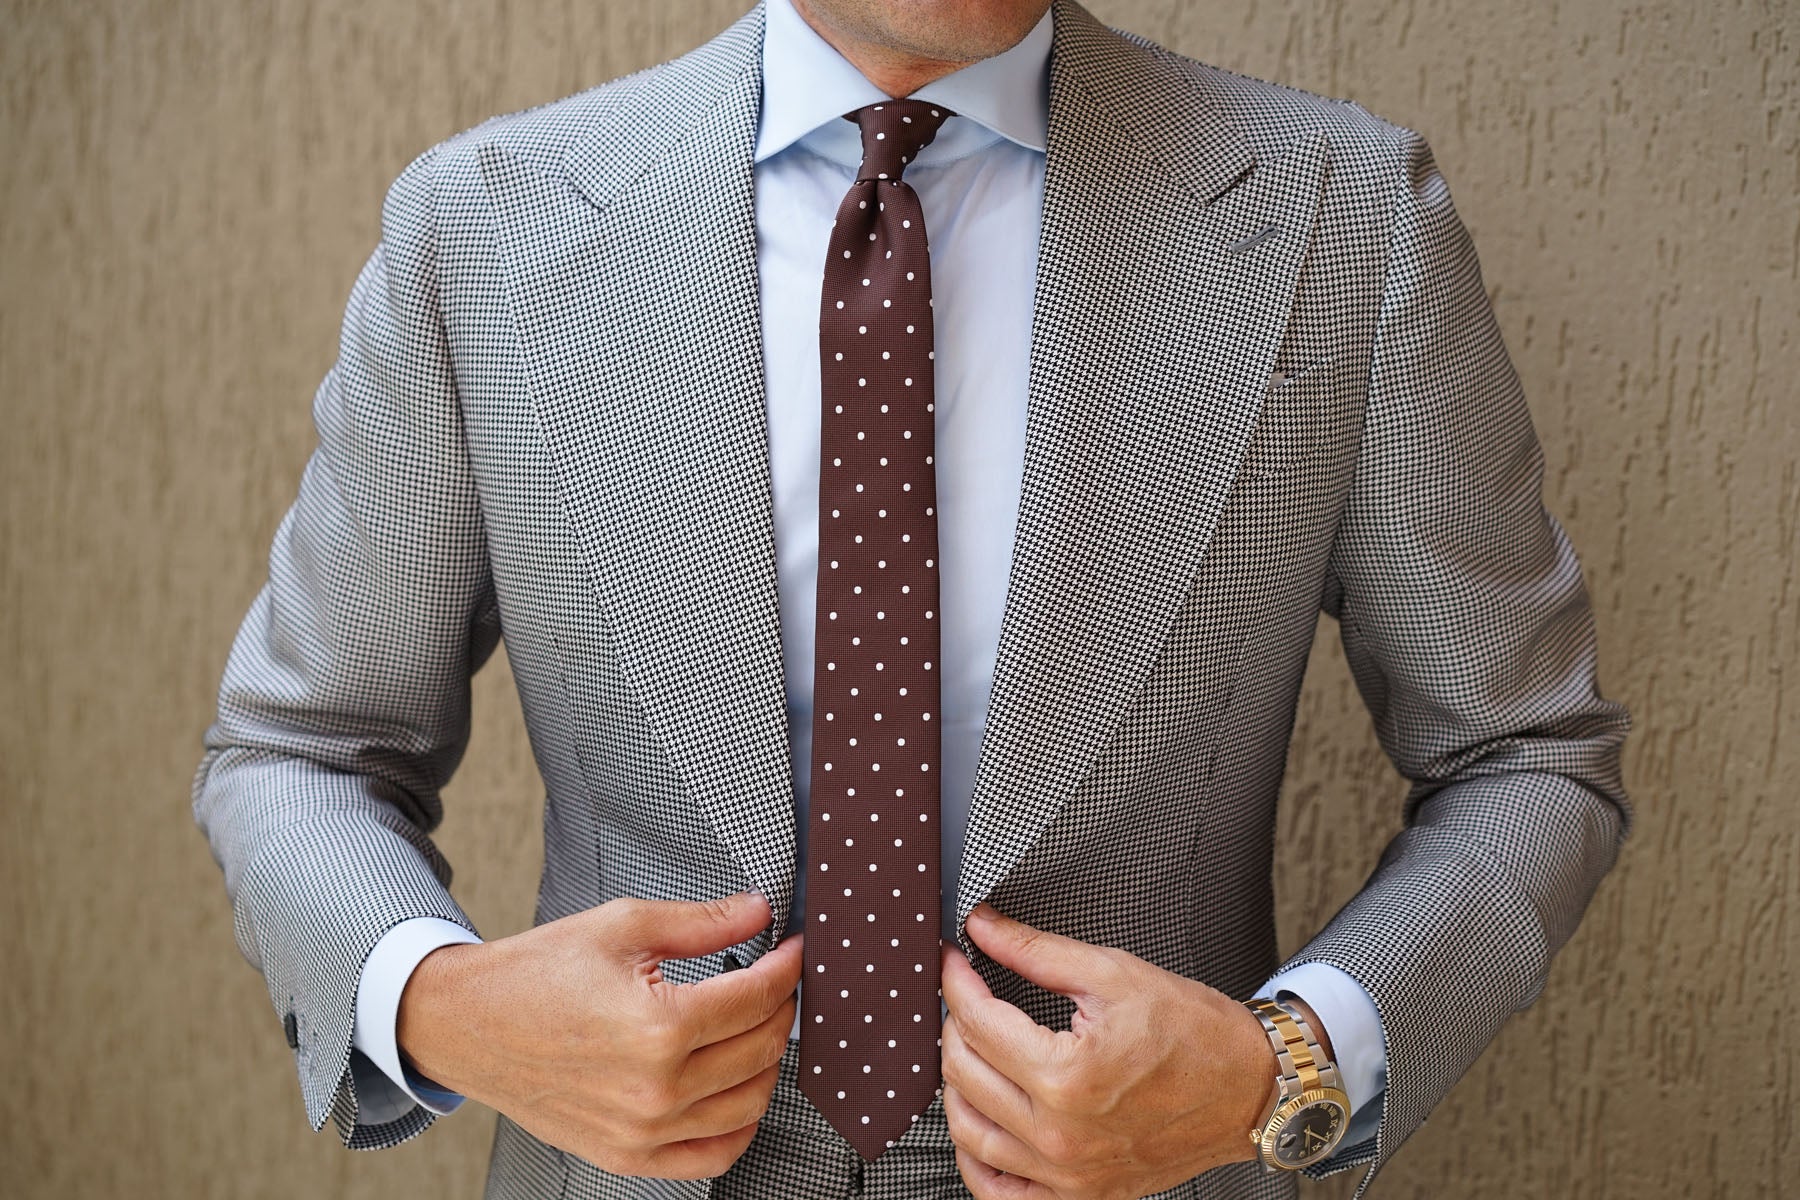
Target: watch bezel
x=1284, y=1114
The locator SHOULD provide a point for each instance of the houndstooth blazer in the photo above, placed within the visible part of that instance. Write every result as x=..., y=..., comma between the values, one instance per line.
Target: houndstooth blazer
x=1265, y=381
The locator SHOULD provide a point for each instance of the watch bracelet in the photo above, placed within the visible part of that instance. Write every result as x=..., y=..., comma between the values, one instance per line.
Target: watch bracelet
x=1290, y=1080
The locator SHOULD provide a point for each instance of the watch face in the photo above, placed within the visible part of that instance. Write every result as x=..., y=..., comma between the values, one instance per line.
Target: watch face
x=1309, y=1134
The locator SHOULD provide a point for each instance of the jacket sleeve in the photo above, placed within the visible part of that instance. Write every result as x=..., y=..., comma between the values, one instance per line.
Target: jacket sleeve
x=1468, y=630
x=345, y=701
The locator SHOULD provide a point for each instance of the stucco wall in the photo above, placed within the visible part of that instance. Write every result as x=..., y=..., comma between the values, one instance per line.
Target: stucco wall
x=188, y=189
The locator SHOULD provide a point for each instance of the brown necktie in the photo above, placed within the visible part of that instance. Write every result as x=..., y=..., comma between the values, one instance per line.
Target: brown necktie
x=869, y=1033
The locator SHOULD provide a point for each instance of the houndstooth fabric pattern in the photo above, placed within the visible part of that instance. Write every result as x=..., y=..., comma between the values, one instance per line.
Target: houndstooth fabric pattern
x=1266, y=381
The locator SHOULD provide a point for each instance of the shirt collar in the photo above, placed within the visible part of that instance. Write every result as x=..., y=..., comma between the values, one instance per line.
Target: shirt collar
x=807, y=84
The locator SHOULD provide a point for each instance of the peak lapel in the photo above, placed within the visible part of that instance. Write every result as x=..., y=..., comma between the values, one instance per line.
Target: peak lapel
x=1161, y=300
x=635, y=293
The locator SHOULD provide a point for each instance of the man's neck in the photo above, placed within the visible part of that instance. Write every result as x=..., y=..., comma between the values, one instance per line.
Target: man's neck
x=894, y=71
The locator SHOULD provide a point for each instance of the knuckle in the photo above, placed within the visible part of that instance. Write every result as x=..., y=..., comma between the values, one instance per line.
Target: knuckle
x=718, y=908
x=1057, y=1147
x=1060, y=1090
x=624, y=910
x=664, y=1038
x=654, y=1099
x=777, y=1049
x=1112, y=965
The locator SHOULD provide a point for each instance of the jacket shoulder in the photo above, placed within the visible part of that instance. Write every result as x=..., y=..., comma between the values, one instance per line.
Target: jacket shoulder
x=636, y=110
x=1271, y=115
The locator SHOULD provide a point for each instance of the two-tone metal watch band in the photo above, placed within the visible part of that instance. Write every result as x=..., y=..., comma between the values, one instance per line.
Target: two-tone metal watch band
x=1293, y=1042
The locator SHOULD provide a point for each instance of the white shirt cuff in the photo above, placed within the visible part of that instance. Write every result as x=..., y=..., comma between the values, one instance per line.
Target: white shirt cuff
x=1357, y=1043
x=384, y=976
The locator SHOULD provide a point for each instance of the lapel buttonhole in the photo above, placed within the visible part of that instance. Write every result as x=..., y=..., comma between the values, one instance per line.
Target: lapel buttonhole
x=1256, y=239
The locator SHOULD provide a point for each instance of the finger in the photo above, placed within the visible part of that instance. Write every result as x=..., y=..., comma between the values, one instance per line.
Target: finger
x=1060, y=964
x=1002, y=1163
x=1011, y=1042
x=989, y=1183
x=731, y=1002
x=961, y=987
x=652, y=930
x=1003, y=1101
x=721, y=1064
x=725, y=1111
x=698, y=1158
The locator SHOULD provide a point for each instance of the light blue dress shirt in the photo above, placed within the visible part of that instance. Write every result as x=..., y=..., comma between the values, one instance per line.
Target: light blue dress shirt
x=980, y=184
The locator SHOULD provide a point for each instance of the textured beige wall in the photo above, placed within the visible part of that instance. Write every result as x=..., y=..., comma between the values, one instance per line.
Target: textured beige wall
x=187, y=188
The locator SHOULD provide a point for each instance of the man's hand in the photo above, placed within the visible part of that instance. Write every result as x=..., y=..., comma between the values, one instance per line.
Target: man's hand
x=571, y=1030
x=1158, y=1078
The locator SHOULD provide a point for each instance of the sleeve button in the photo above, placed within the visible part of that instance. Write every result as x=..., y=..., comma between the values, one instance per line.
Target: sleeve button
x=291, y=1028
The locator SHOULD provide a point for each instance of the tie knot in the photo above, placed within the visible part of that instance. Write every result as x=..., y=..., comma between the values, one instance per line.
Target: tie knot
x=893, y=133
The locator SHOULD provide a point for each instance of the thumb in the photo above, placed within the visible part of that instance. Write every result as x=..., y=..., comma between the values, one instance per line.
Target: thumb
x=652, y=930
x=1059, y=964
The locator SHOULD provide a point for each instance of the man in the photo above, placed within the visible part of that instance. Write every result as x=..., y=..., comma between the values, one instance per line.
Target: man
x=1188, y=357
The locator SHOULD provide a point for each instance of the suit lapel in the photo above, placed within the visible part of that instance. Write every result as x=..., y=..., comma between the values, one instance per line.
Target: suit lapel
x=1161, y=300
x=636, y=300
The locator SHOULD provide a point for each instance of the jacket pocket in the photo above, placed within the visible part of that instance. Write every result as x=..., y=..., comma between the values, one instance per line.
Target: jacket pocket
x=1303, y=415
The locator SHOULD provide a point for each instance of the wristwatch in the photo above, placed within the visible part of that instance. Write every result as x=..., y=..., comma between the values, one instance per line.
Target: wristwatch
x=1309, y=1112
